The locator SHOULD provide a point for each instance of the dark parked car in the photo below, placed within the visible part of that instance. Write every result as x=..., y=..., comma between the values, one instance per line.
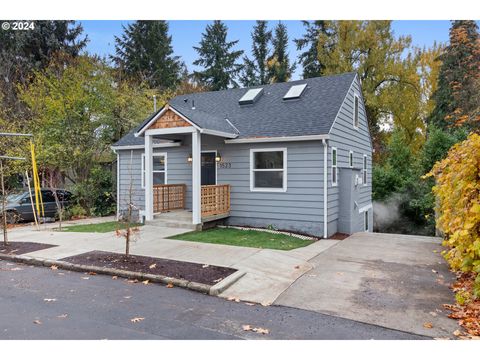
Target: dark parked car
x=19, y=206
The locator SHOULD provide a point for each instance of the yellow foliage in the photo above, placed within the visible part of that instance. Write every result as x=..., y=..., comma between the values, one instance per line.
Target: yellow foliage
x=458, y=195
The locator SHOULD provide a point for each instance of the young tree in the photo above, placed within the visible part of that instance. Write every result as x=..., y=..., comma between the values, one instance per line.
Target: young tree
x=457, y=100
x=280, y=69
x=217, y=57
x=312, y=67
x=255, y=71
x=145, y=52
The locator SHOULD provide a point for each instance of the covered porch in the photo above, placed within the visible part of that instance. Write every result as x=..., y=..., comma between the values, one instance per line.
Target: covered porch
x=209, y=200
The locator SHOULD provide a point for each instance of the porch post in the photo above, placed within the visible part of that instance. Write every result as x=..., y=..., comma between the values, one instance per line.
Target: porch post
x=148, y=178
x=196, y=178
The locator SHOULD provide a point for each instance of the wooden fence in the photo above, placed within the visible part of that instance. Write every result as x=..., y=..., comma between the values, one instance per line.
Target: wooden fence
x=168, y=197
x=215, y=200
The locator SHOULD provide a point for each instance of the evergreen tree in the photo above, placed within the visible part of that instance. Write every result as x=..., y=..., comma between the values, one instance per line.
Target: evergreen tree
x=279, y=66
x=312, y=67
x=456, y=100
x=255, y=71
x=217, y=58
x=145, y=52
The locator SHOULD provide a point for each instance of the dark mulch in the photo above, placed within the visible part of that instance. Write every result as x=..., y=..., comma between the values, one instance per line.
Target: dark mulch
x=209, y=275
x=18, y=248
x=339, y=236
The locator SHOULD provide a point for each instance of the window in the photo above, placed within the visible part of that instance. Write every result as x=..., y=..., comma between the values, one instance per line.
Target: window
x=251, y=96
x=364, y=169
x=366, y=220
x=334, y=167
x=350, y=159
x=295, y=92
x=159, y=169
x=268, y=170
x=355, y=112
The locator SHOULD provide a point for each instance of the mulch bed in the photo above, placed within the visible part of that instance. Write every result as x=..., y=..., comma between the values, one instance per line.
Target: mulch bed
x=338, y=236
x=19, y=248
x=209, y=275
x=468, y=314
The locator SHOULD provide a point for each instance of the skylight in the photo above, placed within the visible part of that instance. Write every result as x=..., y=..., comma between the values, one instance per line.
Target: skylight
x=251, y=96
x=295, y=92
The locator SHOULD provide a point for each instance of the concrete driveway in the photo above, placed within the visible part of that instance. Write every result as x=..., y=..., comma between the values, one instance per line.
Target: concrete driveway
x=396, y=281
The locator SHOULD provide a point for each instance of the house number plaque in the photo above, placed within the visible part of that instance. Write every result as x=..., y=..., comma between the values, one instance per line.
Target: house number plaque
x=224, y=165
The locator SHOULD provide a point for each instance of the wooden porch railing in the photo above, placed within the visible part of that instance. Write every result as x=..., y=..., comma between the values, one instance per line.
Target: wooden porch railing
x=215, y=200
x=168, y=197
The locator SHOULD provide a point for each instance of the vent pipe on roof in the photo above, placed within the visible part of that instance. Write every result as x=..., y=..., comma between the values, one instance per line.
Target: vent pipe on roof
x=193, y=104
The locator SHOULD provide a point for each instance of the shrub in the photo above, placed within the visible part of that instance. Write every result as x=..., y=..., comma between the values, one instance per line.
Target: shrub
x=457, y=191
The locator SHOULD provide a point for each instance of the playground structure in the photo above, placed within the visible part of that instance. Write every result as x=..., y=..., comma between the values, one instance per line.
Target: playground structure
x=36, y=200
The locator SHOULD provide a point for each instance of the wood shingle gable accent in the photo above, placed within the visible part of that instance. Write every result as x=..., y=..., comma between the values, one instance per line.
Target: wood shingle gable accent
x=169, y=119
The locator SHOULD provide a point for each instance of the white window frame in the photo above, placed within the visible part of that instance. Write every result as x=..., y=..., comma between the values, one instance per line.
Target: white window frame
x=164, y=154
x=366, y=223
x=351, y=160
x=365, y=170
x=356, y=122
x=334, y=167
x=252, y=170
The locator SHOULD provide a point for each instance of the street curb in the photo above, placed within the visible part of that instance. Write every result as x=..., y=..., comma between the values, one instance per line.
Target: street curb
x=223, y=285
x=192, y=285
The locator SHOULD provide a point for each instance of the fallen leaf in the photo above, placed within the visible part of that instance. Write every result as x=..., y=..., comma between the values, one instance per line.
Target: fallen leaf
x=38, y=322
x=428, y=325
x=218, y=280
x=249, y=304
x=91, y=273
x=247, y=327
x=339, y=273
x=137, y=319
x=54, y=267
x=85, y=278
x=261, y=331
x=153, y=266
x=132, y=281
x=63, y=316
x=145, y=282
x=457, y=332
x=266, y=303
x=433, y=313
x=169, y=285
x=434, y=271
x=127, y=297
x=297, y=267
x=60, y=273
x=49, y=300
x=114, y=277
x=16, y=269
x=205, y=266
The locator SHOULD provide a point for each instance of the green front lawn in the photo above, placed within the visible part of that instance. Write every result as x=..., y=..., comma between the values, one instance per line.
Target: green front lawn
x=248, y=238
x=97, y=228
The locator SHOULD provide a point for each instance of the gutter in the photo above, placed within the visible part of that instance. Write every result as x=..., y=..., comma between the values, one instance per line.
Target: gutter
x=325, y=188
x=322, y=137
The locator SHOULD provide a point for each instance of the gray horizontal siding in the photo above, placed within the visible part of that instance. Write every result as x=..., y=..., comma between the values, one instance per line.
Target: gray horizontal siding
x=345, y=137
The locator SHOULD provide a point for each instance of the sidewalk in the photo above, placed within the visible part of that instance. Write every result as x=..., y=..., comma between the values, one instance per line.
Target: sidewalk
x=268, y=272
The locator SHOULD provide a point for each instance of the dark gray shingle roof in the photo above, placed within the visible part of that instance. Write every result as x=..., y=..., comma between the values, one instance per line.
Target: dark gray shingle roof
x=270, y=116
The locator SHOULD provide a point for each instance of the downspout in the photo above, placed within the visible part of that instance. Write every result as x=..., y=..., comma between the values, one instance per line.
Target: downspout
x=325, y=189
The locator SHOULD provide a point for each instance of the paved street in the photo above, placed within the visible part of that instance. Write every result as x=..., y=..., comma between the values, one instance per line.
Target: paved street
x=40, y=303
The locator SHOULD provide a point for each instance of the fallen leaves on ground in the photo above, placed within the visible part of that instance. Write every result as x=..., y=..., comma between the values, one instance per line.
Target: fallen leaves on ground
x=91, y=273
x=257, y=330
x=63, y=316
x=169, y=285
x=249, y=304
x=233, y=298
x=137, y=319
x=132, y=281
x=114, y=277
x=468, y=314
x=16, y=269
x=427, y=325
x=145, y=282
x=266, y=303
x=153, y=266
x=37, y=322
x=49, y=300
x=127, y=297
x=205, y=266
x=54, y=267
x=85, y=277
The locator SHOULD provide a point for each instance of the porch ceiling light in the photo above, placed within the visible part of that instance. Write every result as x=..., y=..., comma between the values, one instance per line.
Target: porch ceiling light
x=218, y=158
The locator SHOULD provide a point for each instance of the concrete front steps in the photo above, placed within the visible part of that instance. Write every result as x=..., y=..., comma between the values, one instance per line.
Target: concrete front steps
x=175, y=219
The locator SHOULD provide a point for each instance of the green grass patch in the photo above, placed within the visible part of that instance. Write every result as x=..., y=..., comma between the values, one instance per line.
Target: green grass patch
x=104, y=227
x=248, y=238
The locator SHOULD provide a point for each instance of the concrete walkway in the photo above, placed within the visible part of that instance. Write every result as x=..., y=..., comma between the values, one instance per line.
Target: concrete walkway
x=396, y=281
x=268, y=273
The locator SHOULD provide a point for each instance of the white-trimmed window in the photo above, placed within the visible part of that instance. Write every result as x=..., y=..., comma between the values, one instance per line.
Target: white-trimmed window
x=365, y=217
x=334, y=167
x=268, y=169
x=356, y=105
x=159, y=169
x=364, y=172
x=350, y=158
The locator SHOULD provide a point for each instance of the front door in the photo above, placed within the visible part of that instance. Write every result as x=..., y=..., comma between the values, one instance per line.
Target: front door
x=209, y=168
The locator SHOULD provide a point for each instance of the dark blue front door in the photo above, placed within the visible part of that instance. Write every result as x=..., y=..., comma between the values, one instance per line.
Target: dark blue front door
x=209, y=168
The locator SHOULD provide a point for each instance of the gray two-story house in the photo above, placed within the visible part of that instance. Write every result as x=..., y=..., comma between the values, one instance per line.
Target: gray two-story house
x=295, y=156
